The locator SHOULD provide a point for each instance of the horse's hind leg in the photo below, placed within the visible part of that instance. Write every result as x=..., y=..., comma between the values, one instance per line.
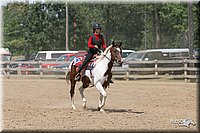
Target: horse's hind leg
x=81, y=90
x=73, y=83
x=86, y=82
x=72, y=96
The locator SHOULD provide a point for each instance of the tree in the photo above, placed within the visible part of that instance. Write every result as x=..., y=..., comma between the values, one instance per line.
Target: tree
x=156, y=25
x=12, y=31
x=37, y=27
x=29, y=28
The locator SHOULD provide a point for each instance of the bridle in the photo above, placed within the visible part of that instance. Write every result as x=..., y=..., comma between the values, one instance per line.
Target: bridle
x=108, y=58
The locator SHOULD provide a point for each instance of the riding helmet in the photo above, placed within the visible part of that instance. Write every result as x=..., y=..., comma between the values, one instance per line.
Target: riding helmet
x=96, y=26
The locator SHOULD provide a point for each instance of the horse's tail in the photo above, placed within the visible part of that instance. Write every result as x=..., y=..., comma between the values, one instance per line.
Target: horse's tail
x=67, y=75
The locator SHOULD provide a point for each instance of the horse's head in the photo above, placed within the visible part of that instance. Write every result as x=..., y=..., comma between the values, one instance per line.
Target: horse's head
x=116, y=52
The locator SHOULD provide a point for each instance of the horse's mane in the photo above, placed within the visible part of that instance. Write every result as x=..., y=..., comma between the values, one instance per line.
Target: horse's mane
x=102, y=55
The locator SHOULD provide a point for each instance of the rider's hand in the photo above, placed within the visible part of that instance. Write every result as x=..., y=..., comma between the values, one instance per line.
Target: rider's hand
x=96, y=46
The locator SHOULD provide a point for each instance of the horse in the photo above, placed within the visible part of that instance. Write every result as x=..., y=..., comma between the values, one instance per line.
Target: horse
x=99, y=76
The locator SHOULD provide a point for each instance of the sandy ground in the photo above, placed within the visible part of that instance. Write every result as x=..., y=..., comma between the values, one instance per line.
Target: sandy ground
x=44, y=104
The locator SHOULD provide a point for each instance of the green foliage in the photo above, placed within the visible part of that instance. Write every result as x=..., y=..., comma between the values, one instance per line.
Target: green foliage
x=34, y=27
x=173, y=24
x=28, y=28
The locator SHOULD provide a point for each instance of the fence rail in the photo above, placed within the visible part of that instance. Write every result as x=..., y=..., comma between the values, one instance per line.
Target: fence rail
x=170, y=69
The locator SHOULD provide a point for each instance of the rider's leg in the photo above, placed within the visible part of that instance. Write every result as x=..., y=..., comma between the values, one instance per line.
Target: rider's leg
x=85, y=62
x=88, y=57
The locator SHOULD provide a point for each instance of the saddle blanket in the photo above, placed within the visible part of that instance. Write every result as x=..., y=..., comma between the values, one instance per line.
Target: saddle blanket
x=79, y=60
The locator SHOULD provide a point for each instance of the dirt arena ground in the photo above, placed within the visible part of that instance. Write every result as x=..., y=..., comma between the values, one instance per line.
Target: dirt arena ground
x=145, y=105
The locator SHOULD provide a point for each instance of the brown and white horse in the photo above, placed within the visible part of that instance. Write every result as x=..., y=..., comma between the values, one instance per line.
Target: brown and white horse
x=99, y=76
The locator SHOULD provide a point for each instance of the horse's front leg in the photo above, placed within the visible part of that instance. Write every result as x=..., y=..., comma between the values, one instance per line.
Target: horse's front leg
x=100, y=102
x=81, y=90
x=103, y=96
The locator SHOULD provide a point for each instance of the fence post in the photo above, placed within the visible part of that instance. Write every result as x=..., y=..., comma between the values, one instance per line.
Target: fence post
x=26, y=72
x=185, y=68
x=40, y=68
x=156, y=70
x=8, y=69
x=19, y=71
x=127, y=73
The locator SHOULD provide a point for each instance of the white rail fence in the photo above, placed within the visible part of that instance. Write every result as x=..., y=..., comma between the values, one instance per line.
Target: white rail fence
x=170, y=69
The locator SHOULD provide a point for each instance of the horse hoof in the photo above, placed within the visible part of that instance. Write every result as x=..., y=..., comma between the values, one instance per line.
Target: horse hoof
x=99, y=108
x=102, y=110
x=73, y=107
x=84, y=104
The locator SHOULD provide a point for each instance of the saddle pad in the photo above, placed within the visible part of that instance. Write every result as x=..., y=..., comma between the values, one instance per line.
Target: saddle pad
x=79, y=60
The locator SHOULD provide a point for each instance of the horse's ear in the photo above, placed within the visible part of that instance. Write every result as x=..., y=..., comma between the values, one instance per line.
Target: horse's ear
x=113, y=43
x=120, y=44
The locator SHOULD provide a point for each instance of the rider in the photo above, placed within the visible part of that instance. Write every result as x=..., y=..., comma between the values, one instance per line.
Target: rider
x=95, y=43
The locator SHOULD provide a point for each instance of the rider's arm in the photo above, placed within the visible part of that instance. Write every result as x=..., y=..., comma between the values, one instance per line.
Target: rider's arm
x=90, y=43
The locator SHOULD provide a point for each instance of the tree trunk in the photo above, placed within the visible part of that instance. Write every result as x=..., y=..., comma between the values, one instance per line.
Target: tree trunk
x=75, y=25
x=27, y=52
x=108, y=27
x=191, y=29
x=156, y=27
x=67, y=39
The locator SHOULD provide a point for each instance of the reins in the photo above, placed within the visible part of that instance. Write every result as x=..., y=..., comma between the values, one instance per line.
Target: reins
x=108, y=58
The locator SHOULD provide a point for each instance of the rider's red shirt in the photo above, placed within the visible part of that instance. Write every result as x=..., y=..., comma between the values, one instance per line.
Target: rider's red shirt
x=97, y=38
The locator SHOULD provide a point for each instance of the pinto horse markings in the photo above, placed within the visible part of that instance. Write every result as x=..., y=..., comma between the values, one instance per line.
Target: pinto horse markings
x=99, y=76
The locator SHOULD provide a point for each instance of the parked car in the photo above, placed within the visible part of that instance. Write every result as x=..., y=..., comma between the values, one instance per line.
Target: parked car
x=126, y=53
x=64, y=58
x=61, y=68
x=145, y=56
x=21, y=65
x=156, y=54
x=68, y=57
x=5, y=54
x=142, y=56
x=51, y=55
x=197, y=53
x=174, y=54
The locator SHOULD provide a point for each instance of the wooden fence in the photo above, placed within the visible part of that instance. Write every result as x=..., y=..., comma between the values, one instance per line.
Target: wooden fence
x=170, y=69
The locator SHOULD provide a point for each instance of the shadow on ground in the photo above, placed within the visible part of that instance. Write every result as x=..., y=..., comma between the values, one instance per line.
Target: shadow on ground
x=116, y=110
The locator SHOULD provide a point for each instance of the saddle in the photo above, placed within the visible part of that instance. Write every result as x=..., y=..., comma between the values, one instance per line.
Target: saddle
x=78, y=62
